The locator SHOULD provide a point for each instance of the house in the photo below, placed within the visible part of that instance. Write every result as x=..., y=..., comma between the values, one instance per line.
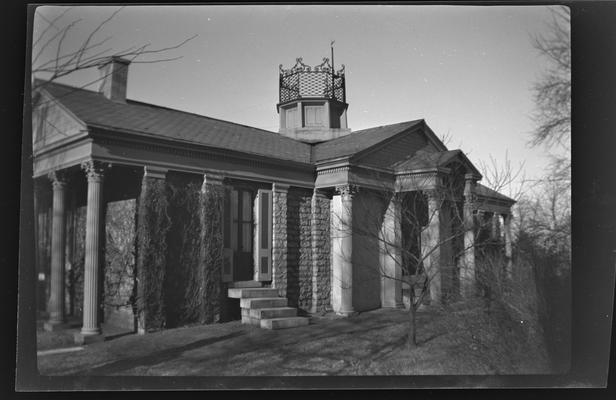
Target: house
x=149, y=217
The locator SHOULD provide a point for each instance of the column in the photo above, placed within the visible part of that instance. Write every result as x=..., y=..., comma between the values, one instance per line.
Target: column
x=495, y=232
x=320, y=255
x=467, y=274
x=58, y=243
x=279, y=237
x=390, y=245
x=508, y=250
x=94, y=172
x=211, y=247
x=151, y=261
x=342, y=285
x=431, y=246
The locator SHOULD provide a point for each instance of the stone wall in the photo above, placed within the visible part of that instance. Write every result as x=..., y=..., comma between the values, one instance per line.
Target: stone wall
x=119, y=263
x=369, y=208
x=308, y=250
x=76, y=260
x=321, y=242
x=299, y=255
x=279, y=241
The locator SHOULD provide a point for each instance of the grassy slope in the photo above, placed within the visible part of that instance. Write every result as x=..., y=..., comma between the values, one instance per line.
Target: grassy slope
x=465, y=341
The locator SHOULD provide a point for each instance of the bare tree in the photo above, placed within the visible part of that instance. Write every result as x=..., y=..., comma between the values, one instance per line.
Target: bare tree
x=552, y=94
x=90, y=52
x=421, y=234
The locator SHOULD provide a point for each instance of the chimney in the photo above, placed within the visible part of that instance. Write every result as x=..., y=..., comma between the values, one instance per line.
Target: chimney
x=114, y=73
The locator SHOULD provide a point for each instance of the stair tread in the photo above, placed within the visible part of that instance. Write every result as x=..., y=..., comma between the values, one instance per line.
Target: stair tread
x=242, y=293
x=262, y=302
x=283, y=318
x=283, y=322
x=245, y=285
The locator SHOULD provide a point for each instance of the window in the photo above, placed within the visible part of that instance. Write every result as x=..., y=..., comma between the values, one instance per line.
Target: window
x=290, y=115
x=313, y=115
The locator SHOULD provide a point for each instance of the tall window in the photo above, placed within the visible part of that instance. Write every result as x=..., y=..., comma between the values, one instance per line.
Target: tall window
x=291, y=117
x=313, y=115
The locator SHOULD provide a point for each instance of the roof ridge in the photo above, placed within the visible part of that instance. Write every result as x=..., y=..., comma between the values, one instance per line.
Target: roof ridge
x=383, y=126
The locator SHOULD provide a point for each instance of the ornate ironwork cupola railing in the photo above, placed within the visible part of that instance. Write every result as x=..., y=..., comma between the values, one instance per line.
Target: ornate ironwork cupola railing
x=304, y=82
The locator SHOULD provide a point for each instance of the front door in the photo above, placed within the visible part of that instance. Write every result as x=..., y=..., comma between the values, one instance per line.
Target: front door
x=241, y=206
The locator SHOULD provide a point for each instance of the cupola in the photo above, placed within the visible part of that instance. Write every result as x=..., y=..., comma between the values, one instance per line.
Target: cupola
x=312, y=102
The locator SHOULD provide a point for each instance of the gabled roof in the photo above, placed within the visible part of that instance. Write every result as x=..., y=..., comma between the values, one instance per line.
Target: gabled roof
x=95, y=110
x=429, y=160
x=360, y=140
x=485, y=191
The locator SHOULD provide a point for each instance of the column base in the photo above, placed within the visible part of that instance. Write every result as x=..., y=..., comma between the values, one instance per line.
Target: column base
x=54, y=326
x=346, y=313
x=81, y=338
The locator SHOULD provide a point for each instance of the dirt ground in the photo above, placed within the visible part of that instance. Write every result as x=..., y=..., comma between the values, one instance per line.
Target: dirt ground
x=467, y=341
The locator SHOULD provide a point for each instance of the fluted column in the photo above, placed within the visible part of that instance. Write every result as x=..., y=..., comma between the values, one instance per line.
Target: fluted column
x=58, y=242
x=431, y=244
x=508, y=250
x=467, y=273
x=342, y=285
x=94, y=172
x=495, y=231
x=391, y=255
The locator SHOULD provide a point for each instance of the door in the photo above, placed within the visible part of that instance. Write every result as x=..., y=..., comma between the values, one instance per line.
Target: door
x=238, y=235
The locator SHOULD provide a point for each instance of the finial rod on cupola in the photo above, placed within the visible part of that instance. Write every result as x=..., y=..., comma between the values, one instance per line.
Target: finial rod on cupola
x=333, y=65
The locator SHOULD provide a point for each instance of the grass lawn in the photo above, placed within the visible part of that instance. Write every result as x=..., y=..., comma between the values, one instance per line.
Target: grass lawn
x=464, y=341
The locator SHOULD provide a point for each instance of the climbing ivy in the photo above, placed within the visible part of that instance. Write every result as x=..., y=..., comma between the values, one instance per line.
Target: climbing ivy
x=211, y=254
x=180, y=252
x=153, y=223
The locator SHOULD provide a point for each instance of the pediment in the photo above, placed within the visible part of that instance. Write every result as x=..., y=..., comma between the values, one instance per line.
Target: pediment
x=51, y=121
x=400, y=147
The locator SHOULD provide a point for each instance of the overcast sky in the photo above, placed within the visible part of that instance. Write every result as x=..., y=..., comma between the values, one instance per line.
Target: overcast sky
x=467, y=70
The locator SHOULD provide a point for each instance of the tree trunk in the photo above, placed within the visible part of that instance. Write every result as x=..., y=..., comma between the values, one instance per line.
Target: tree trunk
x=412, y=337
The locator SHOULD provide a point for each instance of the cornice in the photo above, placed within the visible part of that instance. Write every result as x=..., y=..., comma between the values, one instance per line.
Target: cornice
x=59, y=145
x=192, y=150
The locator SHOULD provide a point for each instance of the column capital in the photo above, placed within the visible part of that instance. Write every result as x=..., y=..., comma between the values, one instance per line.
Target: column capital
x=59, y=179
x=94, y=170
x=210, y=178
x=150, y=171
x=347, y=190
x=434, y=194
x=280, y=187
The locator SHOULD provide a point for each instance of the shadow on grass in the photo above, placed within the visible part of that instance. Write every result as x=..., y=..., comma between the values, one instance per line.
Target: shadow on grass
x=155, y=358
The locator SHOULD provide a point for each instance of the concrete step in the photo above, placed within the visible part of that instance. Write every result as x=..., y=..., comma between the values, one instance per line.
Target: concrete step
x=283, y=323
x=245, y=293
x=275, y=312
x=250, y=321
x=263, y=302
x=245, y=284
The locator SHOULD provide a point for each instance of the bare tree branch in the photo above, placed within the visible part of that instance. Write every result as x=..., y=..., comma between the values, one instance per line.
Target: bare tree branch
x=66, y=63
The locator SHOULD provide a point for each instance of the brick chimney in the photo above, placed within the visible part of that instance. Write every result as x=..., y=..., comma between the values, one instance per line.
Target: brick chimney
x=114, y=73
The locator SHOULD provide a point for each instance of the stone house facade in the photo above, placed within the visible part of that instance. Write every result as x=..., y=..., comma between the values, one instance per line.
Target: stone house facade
x=148, y=217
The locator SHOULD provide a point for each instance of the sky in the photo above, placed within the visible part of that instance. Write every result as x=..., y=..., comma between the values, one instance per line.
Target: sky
x=467, y=70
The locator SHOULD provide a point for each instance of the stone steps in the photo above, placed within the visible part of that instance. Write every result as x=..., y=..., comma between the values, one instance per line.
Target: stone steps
x=264, y=307
x=276, y=312
x=245, y=284
x=244, y=293
x=264, y=302
x=282, y=323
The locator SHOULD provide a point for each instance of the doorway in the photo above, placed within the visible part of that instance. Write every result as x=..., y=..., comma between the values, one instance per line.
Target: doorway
x=241, y=232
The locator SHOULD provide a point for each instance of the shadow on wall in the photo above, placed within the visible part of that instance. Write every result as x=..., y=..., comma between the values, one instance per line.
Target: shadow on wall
x=368, y=211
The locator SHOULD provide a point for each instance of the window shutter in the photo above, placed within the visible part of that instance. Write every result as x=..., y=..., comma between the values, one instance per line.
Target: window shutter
x=264, y=235
x=290, y=116
x=230, y=235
